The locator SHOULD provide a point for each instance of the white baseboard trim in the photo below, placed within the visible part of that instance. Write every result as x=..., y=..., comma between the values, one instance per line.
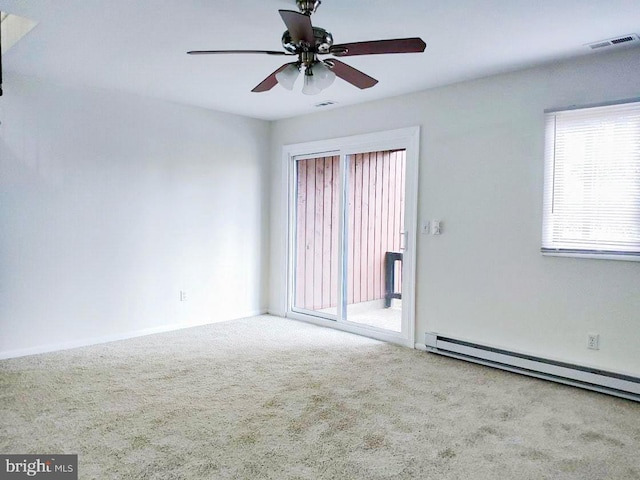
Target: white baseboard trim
x=255, y=313
x=86, y=342
x=420, y=346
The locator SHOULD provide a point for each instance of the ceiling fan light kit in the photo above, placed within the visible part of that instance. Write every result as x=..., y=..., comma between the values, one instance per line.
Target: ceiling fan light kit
x=323, y=74
x=317, y=77
x=287, y=77
x=305, y=41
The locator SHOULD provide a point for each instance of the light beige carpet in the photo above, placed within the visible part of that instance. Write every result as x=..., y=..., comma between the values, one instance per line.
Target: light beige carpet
x=268, y=398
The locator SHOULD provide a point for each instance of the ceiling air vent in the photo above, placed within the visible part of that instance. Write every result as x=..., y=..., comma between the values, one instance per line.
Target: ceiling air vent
x=612, y=42
x=325, y=104
x=622, y=40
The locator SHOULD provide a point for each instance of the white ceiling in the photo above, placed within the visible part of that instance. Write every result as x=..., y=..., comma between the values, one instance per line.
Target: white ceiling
x=139, y=46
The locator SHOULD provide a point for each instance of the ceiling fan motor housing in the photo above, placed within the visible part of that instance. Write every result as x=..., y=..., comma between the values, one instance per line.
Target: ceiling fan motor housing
x=323, y=42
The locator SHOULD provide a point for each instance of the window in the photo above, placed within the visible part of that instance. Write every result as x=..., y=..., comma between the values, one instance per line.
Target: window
x=592, y=182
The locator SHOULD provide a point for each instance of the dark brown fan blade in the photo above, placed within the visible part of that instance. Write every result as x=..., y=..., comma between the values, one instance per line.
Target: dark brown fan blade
x=299, y=26
x=271, y=81
x=212, y=52
x=350, y=74
x=375, y=47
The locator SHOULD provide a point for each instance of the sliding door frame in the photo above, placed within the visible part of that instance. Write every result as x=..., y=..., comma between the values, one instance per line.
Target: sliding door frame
x=402, y=139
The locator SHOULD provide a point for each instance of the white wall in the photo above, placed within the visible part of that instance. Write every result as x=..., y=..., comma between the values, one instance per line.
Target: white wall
x=110, y=204
x=481, y=173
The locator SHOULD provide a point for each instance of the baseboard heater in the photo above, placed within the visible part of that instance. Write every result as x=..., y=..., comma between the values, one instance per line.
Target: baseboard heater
x=624, y=386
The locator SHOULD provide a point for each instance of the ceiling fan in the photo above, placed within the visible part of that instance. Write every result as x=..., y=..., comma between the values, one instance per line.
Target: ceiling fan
x=306, y=42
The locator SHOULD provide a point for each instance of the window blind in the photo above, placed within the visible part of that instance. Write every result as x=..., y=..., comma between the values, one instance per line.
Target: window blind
x=592, y=181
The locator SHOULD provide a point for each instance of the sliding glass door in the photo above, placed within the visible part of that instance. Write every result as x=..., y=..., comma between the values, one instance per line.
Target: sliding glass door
x=317, y=227
x=348, y=249
x=375, y=191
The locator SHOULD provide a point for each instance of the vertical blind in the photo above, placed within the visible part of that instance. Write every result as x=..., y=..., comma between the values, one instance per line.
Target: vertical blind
x=592, y=181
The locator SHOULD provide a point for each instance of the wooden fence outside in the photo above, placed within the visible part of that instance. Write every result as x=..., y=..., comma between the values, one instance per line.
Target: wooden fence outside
x=375, y=197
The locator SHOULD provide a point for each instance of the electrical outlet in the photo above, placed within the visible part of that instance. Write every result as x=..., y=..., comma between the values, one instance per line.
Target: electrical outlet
x=183, y=296
x=593, y=341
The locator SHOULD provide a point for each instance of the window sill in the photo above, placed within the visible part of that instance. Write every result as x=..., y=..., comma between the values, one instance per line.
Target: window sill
x=629, y=257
